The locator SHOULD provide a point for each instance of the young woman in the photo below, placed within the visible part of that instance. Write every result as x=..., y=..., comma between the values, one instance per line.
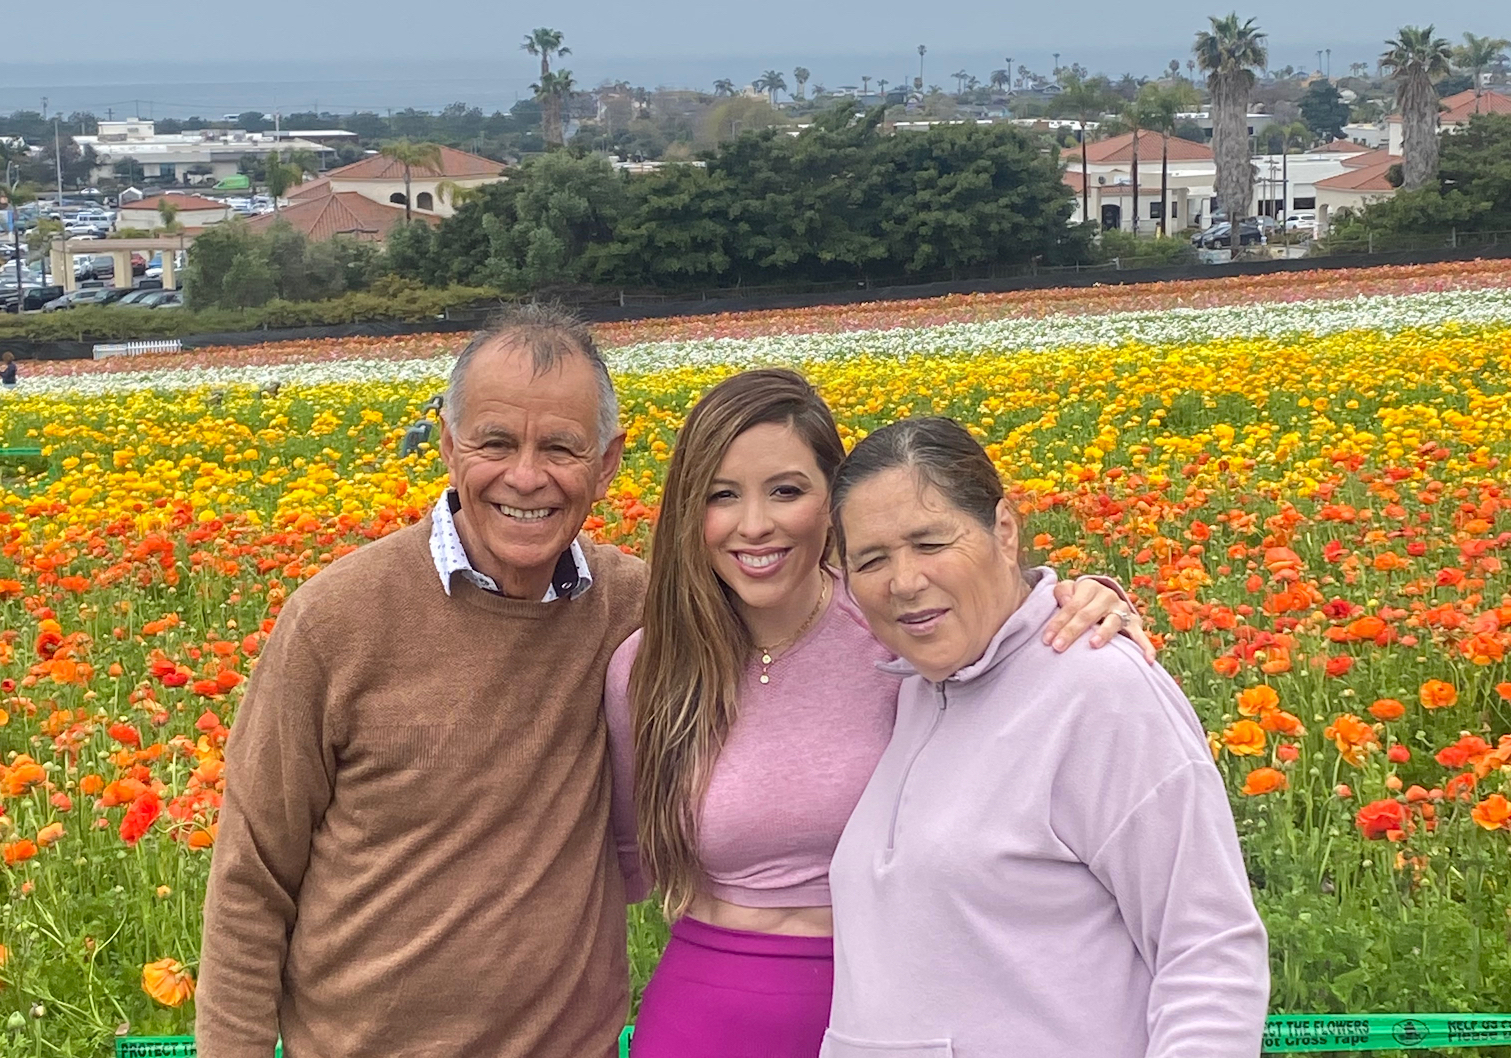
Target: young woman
x=745, y=720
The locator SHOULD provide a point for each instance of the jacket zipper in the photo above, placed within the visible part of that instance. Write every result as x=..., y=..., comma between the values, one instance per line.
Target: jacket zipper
x=908, y=769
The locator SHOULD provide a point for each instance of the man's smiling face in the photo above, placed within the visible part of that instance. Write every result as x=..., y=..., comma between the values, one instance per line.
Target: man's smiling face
x=527, y=463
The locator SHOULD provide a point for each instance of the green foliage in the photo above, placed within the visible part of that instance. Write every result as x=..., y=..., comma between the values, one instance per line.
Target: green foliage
x=1473, y=191
x=1141, y=252
x=232, y=267
x=840, y=200
x=1324, y=111
x=388, y=298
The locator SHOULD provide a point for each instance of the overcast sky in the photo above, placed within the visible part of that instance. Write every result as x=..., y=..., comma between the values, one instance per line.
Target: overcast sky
x=306, y=46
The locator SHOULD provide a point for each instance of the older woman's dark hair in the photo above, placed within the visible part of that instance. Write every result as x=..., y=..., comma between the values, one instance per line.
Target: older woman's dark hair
x=939, y=451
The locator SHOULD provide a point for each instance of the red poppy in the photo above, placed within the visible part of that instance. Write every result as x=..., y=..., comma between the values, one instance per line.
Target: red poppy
x=1381, y=819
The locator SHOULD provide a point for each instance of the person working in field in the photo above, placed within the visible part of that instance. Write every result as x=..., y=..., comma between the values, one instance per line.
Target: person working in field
x=413, y=854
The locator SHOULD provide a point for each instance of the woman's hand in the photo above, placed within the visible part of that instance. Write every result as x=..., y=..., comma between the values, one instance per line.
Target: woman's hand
x=1086, y=602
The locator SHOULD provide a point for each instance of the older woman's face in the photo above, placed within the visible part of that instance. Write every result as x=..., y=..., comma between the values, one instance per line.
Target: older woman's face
x=935, y=584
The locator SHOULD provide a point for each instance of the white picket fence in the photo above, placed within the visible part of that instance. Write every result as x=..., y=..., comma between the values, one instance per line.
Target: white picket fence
x=161, y=345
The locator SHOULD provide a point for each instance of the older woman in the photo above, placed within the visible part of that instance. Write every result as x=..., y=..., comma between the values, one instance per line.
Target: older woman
x=1044, y=862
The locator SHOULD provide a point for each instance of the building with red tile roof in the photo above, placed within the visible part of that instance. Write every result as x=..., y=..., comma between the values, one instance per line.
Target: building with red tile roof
x=194, y=211
x=381, y=180
x=339, y=213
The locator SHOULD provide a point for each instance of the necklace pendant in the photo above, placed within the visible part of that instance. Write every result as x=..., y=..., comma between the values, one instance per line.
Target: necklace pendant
x=766, y=658
x=765, y=678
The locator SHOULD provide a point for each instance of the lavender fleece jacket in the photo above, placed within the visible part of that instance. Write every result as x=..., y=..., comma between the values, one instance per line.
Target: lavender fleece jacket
x=1044, y=864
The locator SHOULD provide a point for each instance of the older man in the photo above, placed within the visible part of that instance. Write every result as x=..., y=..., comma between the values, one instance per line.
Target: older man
x=412, y=856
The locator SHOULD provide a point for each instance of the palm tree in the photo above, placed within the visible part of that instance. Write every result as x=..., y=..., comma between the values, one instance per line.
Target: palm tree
x=1000, y=79
x=1416, y=59
x=881, y=84
x=1190, y=69
x=1229, y=54
x=960, y=76
x=771, y=82
x=1159, y=107
x=1475, y=54
x=800, y=74
x=545, y=43
x=168, y=211
x=281, y=173
x=922, y=51
x=724, y=87
x=552, y=90
x=1358, y=69
x=1086, y=100
x=412, y=155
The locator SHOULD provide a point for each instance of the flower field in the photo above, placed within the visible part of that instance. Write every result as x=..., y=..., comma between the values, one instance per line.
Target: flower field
x=1304, y=481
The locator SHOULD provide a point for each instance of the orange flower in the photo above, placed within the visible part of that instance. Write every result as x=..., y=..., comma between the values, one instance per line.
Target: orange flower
x=90, y=785
x=1228, y=665
x=50, y=835
x=1437, y=694
x=1353, y=737
x=1504, y=690
x=18, y=851
x=1244, y=739
x=1263, y=781
x=1387, y=709
x=167, y=982
x=1256, y=701
x=1382, y=819
x=22, y=775
x=1493, y=813
x=1280, y=722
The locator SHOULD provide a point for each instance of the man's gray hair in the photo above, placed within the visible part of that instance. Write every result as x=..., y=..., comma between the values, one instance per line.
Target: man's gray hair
x=550, y=334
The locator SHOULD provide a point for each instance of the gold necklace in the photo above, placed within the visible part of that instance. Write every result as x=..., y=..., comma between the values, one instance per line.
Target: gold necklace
x=767, y=652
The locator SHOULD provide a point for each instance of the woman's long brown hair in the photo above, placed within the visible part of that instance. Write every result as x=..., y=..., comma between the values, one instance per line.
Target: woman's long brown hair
x=695, y=647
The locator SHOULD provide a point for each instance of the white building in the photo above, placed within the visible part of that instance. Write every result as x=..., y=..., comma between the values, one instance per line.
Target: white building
x=1192, y=175
x=199, y=155
x=1285, y=185
x=1257, y=123
x=381, y=180
x=193, y=212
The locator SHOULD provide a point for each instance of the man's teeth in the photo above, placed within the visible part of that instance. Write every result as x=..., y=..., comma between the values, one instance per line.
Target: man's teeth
x=523, y=515
x=762, y=561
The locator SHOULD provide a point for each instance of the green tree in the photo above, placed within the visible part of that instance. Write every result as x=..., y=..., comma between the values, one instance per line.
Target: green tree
x=1324, y=111
x=800, y=75
x=724, y=87
x=167, y=210
x=1229, y=54
x=1160, y=106
x=129, y=171
x=771, y=82
x=551, y=89
x=1415, y=59
x=565, y=211
x=279, y=175
x=412, y=156
x=1475, y=55
x=1086, y=101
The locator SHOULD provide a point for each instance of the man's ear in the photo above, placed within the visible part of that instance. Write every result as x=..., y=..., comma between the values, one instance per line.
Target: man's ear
x=448, y=447
x=613, y=455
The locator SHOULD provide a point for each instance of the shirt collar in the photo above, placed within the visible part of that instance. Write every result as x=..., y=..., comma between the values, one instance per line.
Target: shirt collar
x=570, y=580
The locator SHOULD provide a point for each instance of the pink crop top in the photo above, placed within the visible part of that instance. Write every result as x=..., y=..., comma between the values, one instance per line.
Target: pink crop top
x=793, y=767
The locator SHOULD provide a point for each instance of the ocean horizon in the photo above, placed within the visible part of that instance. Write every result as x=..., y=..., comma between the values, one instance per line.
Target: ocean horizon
x=209, y=89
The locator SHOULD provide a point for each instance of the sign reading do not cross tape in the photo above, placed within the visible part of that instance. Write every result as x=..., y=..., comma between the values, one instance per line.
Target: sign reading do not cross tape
x=1283, y=1034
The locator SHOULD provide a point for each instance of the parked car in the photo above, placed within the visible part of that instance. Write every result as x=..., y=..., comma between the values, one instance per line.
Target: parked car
x=160, y=299
x=136, y=296
x=97, y=266
x=31, y=298
x=1220, y=236
x=1301, y=222
x=87, y=296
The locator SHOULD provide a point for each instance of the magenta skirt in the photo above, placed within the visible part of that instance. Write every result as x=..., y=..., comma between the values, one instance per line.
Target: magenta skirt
x=724, y=993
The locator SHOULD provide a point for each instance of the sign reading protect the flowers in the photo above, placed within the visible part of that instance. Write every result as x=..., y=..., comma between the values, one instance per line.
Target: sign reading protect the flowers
x=162, y=1047
x=1293, y=1033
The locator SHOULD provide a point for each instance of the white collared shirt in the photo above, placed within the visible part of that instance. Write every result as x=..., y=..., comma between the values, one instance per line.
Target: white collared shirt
x=451, y=558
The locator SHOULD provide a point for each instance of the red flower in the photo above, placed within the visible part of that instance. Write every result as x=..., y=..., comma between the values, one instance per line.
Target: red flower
x=125, y=734
x=1379, y=819
x=140, y=817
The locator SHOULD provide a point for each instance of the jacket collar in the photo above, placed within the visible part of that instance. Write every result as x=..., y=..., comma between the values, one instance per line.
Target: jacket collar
x=1020, y=629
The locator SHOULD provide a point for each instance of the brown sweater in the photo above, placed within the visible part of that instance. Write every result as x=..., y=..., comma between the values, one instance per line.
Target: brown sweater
x=413, y=856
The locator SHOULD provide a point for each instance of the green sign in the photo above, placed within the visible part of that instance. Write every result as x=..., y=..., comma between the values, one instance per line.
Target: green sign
x=1296, y=1033
x=1283, y=1034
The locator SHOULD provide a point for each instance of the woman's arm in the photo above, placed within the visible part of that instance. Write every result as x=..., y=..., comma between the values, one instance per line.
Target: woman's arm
x=1100, y=601
x=616, y=713
x=1174, y=867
